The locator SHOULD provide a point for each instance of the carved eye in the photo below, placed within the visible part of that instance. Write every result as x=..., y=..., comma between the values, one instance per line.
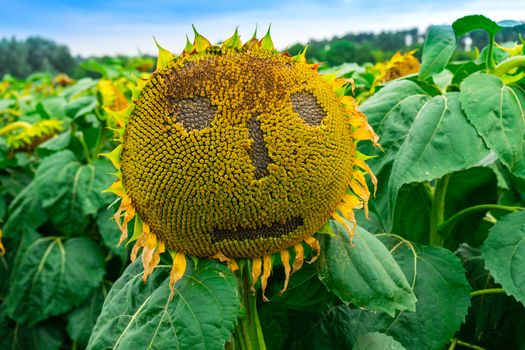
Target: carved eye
x=194, y=113
x=305, y=104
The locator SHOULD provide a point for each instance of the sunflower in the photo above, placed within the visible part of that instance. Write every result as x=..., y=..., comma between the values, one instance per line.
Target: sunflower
x=24, y=136
x=236, y=151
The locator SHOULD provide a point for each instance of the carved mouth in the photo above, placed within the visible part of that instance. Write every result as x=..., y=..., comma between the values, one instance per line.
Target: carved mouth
x=274, y=231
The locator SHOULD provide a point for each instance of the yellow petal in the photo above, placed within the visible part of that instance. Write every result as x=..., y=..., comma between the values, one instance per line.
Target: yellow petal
x=285, y=258
x=314, y=244
x=299, y=257
x=256, y=272
x=232, y=264
x=116, y=188
x=2, y=249
x=177, y=270
x=267, y=265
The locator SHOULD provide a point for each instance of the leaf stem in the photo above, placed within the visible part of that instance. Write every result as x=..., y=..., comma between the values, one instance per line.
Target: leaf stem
x=508, y=64
x=437, y=214
x=490, y=54
x=447, y=225
x=487, y=291
x=468, y=345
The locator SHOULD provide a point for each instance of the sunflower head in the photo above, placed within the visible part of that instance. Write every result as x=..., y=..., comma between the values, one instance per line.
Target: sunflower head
x=24, y=136
x=236, y=151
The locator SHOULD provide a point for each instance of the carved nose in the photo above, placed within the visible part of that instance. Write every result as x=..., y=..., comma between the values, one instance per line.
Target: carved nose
x=259, y=151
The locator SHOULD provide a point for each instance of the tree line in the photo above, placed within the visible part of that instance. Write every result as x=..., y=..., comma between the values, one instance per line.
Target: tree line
x=21, y=58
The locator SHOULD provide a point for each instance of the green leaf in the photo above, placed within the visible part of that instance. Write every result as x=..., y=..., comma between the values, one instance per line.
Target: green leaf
x=363, y=272
x=376, y=341
x=443, y=298
x=55, y=144
x=52, y=277
x=305, y=292
x=80, y=322
x=53, y=107
x=80, y=106
x=497, y=112
x=275, y=325
x=47, y=335
x=412, y=213
x=71, y=191
x=440, y=141
x=390, y=112
x=77, y=89
x=138, y=315
x=493, y=319
x=467, y=24
x=439, y=46
x=25, y=211
x=111, y=234
x=504, y=253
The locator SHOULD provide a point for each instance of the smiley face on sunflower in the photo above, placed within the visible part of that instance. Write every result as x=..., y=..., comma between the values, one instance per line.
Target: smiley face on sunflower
x=237, y=151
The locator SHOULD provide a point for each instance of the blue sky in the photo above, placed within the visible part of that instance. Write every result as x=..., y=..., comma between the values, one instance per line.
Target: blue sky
x=98, y=27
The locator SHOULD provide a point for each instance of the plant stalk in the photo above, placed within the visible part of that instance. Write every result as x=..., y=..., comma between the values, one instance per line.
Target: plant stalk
x=487, y=291
x=437, y=215
x=447, y=225
x=508, y=64
x=248, y=334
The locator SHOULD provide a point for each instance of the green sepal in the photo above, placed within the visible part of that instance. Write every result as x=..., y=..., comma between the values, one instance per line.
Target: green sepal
x=164, y=56
x=266, y=42
x=200, y=43
x=234, y=42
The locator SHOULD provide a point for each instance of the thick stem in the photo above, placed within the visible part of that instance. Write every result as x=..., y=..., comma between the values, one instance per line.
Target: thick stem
x=437, y=215
x=508, y=64
x=487, y=291
x=447, y=225
x=490, y=54
x=468, y=345
x=248, y=335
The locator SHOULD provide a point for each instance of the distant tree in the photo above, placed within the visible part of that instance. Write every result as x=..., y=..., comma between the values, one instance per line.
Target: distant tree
x=35, y=54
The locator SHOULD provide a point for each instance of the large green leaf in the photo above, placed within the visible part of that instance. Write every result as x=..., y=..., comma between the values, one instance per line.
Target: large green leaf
x=80, y=322
x=493, y=318
x=467, y=24
x=442, y=291
x=71, y=191
x=363, y=272
x=498, y=113
x=376, y=341
x=138, y=315
x=391, y=112
x=52, y=277
x=111, y=234
x=305, y=292
x=439, y=46
x=47, y=335
x=504, y=253
x=25, y=211
x=440, y=141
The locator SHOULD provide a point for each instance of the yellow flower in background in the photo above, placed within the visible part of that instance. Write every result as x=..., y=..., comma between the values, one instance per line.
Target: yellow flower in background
x=237, y=151
x=24, y=136
x=398, y=66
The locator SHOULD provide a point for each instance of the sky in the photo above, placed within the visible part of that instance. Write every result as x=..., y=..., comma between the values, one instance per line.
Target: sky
x=105, y=27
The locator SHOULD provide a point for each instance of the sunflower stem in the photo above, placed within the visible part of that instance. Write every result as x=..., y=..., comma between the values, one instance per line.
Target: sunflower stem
x=437, y=215
x=248, y=334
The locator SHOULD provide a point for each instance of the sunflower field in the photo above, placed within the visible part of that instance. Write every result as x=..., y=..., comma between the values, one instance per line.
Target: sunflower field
x=238, y=197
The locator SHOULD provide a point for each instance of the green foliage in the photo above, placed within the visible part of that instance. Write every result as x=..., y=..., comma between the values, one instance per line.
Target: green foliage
x=451, y=179
x=364, y=274
x=201, y=314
